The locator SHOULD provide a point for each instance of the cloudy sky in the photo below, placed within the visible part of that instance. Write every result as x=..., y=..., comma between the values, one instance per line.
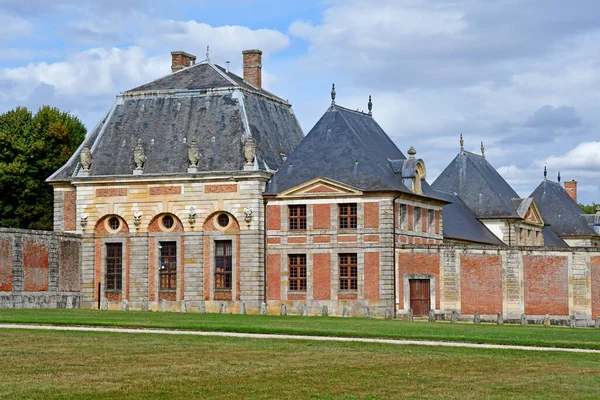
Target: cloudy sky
x=522, y=76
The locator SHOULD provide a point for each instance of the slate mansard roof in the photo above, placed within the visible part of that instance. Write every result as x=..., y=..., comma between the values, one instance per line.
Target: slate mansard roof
x=481, y=188
x=204, y=101
x=345, y=146
x=560, y=211
x=460, y=223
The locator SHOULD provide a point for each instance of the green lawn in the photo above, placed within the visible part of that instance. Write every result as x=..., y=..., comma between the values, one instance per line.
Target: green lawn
x=77, y=365
x=325, y=326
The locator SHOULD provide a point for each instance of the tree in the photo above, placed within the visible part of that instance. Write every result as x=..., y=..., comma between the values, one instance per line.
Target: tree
x=33, y=147
x=588, y=209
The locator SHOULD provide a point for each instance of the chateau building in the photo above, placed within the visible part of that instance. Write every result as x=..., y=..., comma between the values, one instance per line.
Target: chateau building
x=199, y=192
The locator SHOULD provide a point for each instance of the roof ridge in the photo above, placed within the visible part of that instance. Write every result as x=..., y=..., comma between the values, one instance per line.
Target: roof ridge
x=213, y=66
x=350, y=110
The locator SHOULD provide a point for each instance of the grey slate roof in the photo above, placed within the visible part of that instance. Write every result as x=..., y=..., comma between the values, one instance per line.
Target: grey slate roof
x=560, y=211
x=552, y=239
x=167, y=113
x=345, y=146
x=460, y=223
x=479, y=186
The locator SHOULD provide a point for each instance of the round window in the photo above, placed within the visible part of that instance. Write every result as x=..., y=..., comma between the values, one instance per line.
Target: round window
x=223, y=220
x=114, y=223
x=167, y=221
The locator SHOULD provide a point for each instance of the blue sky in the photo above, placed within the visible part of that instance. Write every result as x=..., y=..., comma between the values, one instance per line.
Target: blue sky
x=520, y=75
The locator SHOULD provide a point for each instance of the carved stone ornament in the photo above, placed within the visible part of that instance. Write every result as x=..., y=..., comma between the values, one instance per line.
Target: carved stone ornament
x=248, y=213
x=137, y=218
x=83, y=219
x=139, y=156
x=249, y=151
x=85, y=157
x=192, y=216
x=194, y=153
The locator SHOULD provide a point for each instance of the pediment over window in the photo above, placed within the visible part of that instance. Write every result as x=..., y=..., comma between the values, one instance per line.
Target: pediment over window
x=527, y=209
x=321, y=187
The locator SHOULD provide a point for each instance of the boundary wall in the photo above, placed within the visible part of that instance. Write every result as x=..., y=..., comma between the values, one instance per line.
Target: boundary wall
x=39, y=269
x=534, y=281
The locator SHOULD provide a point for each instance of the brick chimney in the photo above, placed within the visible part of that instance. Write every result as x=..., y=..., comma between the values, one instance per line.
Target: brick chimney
x=253, y=67
x=181, y=60
x=571, y=189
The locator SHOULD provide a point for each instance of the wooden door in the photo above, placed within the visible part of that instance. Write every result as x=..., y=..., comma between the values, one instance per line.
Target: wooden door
x=419, y=296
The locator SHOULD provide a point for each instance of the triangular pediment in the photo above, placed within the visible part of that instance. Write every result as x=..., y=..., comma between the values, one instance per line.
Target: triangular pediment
x=533, y=215
x=320, y=187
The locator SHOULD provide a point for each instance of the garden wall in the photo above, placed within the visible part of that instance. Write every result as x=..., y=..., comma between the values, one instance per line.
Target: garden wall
x=39, y=269
x=534, y=281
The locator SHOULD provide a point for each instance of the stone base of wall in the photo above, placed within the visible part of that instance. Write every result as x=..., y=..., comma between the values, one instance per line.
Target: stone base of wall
x=39, y=300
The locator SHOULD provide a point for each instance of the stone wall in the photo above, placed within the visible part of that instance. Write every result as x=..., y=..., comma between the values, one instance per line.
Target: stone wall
x=534, y=281
x=39, y=269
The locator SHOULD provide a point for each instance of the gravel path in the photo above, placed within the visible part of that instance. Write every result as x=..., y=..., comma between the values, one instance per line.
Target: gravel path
x=402, y=342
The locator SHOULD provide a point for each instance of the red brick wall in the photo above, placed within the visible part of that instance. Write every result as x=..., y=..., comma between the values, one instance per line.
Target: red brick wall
x=35, y=265
x=546, y=285
x=372, y=215
x=417, y=263
x=372, y=276
x=164, y=190
x=6, y=263
x=112, y=192
x=371, y=238
x=229, y=188
x=70, y=210
x=321, y=216
x=321, y=239
x=151, y=268
x=423, y=220
x=595, y=276
x=481, y=283
x=274, y=218
x=347, y=239
x=206, y=267
x=438, y=217
x=322, y=189
x=321, y=276
x=273, y=277
x=68, y=271
x=297, y=240
x=410, y=218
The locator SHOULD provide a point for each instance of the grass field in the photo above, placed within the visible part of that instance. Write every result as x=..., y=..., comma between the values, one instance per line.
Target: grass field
x=324, y=326
x=78, y=365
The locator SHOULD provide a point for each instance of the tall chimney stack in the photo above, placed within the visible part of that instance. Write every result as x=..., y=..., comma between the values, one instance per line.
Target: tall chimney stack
x=571, y=189
x=253, y=67
x=181, y=60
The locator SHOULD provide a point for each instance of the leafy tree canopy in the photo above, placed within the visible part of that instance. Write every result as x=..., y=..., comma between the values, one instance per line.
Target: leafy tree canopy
x=33, y=147
x=589, y=209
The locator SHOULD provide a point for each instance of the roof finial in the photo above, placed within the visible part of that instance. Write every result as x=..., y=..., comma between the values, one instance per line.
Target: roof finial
x=333, y=94
x=207, y=53
x=462, y=144
x=482, y=150
x=370, y=106
x=558, y=176
x=412, y=152
x=545, y=172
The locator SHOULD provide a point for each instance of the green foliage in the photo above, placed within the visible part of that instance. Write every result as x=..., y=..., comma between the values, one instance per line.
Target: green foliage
x=588, y=209
x=33, y=147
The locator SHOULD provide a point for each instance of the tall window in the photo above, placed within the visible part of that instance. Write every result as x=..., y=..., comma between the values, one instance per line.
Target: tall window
x=348, y=272
x=223, y=263
x=431, y=221
x=297, y=272
x=417, y=219
x=114, y=266
x=347, y=216
x=168, y=265
x=403, y=217
x=297, y=217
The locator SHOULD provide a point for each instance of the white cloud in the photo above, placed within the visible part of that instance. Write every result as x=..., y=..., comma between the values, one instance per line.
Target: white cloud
x=586, y=155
